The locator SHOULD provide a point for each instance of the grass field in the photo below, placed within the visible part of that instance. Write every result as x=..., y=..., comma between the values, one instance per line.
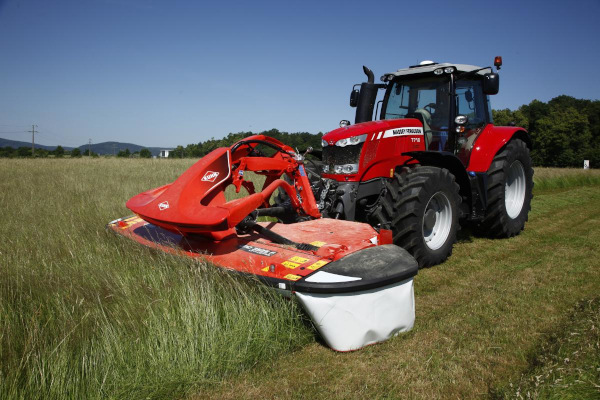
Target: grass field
x=85, y=314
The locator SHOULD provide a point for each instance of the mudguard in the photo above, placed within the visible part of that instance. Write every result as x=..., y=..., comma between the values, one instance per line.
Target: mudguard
x=489, y=143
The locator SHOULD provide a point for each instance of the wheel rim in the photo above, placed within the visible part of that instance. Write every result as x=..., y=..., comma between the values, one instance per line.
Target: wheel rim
x=437, y=221
x=514, y=189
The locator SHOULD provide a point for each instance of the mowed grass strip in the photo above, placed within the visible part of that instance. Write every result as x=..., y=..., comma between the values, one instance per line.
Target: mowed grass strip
x=566, y=365
x=480, y=316
x=87, y=314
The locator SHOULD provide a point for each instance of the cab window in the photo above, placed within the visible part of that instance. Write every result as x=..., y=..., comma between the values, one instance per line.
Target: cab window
x=469, y=102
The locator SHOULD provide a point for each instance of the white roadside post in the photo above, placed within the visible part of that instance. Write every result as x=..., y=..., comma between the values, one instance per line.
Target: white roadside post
x=586, y=164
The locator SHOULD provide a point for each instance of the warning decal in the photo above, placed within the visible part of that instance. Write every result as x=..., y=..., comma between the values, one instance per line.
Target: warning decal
x=300, y=260
x=257, y=250
x=289, y=264
x=317, y=265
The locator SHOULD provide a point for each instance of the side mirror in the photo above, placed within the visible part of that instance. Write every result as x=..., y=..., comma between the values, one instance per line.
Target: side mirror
x=354, y=97
x=469, y=96
x=491, y=83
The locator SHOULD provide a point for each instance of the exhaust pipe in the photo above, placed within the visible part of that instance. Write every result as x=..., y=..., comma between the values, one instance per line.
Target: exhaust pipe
x=366, y=99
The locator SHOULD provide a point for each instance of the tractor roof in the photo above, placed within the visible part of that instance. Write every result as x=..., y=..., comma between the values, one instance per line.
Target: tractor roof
x=420, y=69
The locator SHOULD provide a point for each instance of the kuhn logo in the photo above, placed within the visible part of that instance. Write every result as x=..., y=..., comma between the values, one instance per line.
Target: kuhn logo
x=163, y=206
x=210, y=176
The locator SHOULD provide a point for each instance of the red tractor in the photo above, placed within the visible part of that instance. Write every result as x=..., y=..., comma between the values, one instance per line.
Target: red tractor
x=434, y=159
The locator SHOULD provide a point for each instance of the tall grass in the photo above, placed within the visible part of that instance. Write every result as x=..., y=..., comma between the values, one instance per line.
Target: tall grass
x=86, y=314
x=563, y=178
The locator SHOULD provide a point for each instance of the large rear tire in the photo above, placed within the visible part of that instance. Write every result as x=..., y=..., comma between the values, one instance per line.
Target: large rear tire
x=510, y=186
x=422, y=208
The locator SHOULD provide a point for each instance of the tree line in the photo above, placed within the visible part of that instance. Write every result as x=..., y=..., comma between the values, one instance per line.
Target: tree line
x=565, y=131
x=60, y=152
x=299, y=140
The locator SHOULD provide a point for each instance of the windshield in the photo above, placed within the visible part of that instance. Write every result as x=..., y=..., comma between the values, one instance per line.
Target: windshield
x=426, y=99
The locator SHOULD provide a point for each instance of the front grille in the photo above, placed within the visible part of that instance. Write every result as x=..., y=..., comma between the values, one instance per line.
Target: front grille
x=335, y=155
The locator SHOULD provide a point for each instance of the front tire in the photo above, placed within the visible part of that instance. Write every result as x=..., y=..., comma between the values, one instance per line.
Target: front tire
x=422, y=208
x=510, y=186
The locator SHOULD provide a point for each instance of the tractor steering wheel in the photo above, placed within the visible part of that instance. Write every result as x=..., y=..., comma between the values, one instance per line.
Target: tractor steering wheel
x=431, y=106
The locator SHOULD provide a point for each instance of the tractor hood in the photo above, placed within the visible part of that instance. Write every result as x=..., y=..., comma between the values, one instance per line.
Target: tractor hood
x=369, y=127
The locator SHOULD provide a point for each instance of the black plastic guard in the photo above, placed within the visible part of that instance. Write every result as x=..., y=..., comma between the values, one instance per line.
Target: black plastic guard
x=375, y=266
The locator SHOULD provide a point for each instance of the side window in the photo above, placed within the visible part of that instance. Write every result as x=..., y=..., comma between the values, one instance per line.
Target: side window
x=398, y=102
x=469, y=102
x=426, y=97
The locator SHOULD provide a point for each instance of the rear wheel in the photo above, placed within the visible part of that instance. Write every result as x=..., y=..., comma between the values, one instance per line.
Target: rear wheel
x=422, y=208
x=510, y=185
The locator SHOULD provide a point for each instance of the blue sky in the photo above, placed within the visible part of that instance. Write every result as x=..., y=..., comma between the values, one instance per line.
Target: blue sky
x=162, y=73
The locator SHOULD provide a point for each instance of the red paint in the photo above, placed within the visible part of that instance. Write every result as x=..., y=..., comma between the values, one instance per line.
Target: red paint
x=488, y=144
x=379, y=155
x=333, y=235
x=195, y=203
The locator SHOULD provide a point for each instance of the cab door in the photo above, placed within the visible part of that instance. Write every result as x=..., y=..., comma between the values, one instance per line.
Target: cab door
x=470, y=102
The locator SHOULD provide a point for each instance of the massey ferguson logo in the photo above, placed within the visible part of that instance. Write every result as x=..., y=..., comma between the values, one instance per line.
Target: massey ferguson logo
x=408, y=131
x=163, y=206
x=210, y=176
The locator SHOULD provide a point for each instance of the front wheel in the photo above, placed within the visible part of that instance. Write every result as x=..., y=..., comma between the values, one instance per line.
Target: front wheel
x=422, y=208
x=510, y=186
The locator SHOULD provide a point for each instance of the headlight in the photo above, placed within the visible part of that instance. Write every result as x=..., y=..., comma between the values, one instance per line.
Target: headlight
x=449, y=70
x=438, y=71
x=349, y=168
x=323, y=143
x=343, y=169
x=351, y=141
x=326, y=168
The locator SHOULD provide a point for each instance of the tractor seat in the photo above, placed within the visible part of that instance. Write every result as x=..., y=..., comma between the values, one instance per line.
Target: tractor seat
x=425, y=117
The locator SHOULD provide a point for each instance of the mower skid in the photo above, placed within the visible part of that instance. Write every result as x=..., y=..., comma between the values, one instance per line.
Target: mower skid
x=350, y=321
x=364, y=298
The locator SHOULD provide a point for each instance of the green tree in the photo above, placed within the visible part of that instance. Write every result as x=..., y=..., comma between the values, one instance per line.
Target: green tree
x=124, y=153
x=178, y=152
x=508, y=117
x=76, y=153
x=24, y=152
x=86, y=152
x=145, y=153
x=563, y=138
x=59, y=151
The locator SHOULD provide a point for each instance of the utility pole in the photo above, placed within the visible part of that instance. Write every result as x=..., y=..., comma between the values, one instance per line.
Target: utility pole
x=33, y=139
x=89, y=148
x=114, y=150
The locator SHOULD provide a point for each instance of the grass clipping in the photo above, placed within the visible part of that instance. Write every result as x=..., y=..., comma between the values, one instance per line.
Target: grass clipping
x=86, y=314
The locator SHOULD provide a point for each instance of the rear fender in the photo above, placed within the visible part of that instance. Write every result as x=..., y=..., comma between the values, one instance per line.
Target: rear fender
x=489, y=143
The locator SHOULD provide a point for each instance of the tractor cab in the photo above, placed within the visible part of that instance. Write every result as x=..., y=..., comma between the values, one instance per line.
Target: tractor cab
x=450, y=100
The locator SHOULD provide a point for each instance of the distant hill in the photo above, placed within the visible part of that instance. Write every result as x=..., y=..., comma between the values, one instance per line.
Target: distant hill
x=115, y=147
x=98, y=148
x=15, y=144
